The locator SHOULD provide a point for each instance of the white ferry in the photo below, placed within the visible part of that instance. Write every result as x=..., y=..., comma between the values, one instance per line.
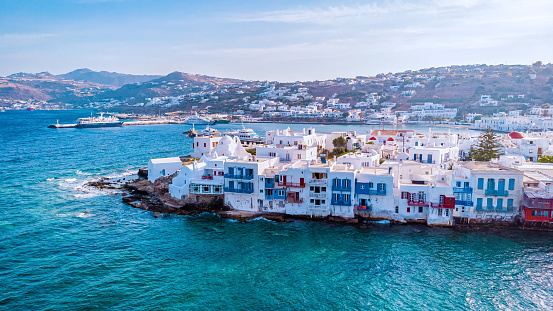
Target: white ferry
x=245, y=135
x=100, y=121
x=199, y=120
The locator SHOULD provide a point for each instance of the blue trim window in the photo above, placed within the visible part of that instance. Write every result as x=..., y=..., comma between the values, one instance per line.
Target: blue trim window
x=480, y=183
x=511, y=184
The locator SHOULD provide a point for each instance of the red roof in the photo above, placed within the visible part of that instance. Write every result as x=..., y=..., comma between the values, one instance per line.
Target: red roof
x=373, y=138
x=516, y=135
x=391, y=139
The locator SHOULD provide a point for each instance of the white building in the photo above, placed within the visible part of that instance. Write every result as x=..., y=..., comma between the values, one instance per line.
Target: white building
x=163, y=167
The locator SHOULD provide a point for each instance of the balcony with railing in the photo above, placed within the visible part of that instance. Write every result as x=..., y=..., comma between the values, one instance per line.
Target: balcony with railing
x=464, y=203
x=497, y=193
x=462, y=190
x=441, y=205
x=317, y=195
x=236, y=190
x=316, y=181
x=293, y=197
x=207, y=177
x=341, y=187
x=489, y=208
x=377, y=191
x=541, y=203
x=418, y=203
x=364, y=208
x=341, y=202
x=234, y=176
x=291, y=184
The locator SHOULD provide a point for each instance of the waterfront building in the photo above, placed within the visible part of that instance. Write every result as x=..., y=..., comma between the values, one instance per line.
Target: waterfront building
x=242, y=178
x=374, y=193
x=497, y=189
x=163, y=167
x=537, y=205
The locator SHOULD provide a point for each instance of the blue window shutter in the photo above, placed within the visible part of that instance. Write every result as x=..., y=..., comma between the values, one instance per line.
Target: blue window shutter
x=480, y=183
x=511, y=184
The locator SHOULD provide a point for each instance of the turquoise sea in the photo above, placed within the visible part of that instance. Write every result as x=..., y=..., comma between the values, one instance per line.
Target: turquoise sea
x=65, y=249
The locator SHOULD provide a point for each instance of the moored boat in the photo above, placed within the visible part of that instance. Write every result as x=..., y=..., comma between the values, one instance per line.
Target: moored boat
x=100, y=121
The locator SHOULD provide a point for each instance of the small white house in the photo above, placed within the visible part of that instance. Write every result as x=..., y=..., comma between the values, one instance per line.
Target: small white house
x=163, y=167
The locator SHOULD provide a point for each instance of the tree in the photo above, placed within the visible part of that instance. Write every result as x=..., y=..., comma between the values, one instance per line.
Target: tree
x=345, y=114
x=545, y=159
x=488, y=147
x=339, y=142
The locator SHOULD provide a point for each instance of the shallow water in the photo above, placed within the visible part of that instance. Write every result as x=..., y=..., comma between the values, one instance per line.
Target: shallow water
x=61, y=248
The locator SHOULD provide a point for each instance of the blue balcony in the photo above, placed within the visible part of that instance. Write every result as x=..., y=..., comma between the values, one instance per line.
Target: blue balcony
x=341, y=188
x=269, y=197
x=236, y=190
x=377, y=191
x=269, y=183
x=464, y=203
x=232, y=176
x=497, y=193
x=462, y=190
x=341, y=202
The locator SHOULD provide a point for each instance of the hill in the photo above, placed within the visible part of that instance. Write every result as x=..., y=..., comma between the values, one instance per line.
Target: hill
x=105, y=77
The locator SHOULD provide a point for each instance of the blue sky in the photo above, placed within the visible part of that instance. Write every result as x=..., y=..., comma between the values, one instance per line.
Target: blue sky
x=273, y=40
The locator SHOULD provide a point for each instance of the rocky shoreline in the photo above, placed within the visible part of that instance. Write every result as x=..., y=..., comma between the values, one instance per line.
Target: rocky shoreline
x=154, y=197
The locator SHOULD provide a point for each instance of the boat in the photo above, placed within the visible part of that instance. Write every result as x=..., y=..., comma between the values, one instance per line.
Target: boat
x=209, y=132
x=222, y=121
x=100, y=121
x=198, y=120
x=245, y=135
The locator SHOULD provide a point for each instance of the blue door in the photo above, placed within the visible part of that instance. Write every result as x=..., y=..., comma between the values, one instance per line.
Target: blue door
x=501, y=185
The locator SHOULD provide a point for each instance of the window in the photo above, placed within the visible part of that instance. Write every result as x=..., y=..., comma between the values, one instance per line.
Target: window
x=346, y=197
x=546, y=213
x=479, y=202
x=421, y=196
x=446, y=212
x=420, y=209
x=489, y=203
x=491, y=184
x=299, y=156
x=361, y=186
x=346, y=183
x=382, y=186
x=534, y=213
x=370, y=185
x=466, y=184
x=312, y=201
x=205, y=145
x=480, y=183
x=510, y=203
x=397, y=209
x=323, y=189
x=405, y=195
x=458, y=184
x=499, y=203
x=512, y=184
x=408, y=210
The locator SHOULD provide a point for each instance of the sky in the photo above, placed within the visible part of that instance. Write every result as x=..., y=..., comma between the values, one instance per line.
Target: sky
x=286, y=40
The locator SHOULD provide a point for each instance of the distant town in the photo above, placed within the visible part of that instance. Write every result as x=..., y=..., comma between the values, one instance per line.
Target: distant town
x=504, y=97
